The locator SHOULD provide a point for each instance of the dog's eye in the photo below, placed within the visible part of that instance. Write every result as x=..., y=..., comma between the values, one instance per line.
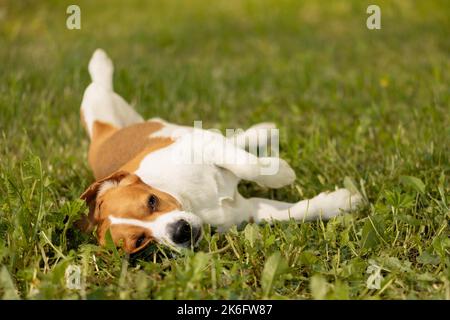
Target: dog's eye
x=153, y=202
x=139, y=241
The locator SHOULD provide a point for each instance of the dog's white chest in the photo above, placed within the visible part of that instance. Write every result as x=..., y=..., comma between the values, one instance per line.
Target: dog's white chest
x=200, y=188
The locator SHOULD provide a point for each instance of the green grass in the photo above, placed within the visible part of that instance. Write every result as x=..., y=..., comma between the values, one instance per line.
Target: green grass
x=350, y=102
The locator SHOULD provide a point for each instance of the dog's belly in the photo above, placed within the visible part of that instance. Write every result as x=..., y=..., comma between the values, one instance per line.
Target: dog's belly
x=203, y=189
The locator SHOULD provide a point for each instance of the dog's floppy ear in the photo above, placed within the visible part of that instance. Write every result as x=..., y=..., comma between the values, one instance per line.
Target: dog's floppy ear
x=88, y=222
x=91, y=192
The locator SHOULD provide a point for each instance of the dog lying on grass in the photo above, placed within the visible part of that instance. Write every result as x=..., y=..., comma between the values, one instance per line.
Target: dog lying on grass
x=149, y=188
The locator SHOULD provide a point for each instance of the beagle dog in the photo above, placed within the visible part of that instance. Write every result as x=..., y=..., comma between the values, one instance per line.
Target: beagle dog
x=159, y=182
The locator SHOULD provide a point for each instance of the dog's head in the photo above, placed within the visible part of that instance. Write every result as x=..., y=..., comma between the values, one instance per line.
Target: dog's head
x=137, y=214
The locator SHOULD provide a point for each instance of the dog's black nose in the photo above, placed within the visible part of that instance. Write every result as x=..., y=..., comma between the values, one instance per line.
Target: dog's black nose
x=184, y=233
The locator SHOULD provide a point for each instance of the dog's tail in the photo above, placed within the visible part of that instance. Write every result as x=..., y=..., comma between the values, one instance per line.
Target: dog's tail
x=101, y=69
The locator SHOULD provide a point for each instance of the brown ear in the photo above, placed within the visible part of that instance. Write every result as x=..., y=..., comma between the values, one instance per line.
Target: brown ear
x=88, y=222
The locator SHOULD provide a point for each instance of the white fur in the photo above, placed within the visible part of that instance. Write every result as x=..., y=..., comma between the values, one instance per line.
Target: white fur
x=159, y=227
x=209, y=188
x=254, y=133
x=202, y=169
x=169, y=130
x=100, y=102
x=105, y=186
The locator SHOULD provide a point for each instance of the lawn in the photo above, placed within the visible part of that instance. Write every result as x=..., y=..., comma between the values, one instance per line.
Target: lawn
x=367, y=108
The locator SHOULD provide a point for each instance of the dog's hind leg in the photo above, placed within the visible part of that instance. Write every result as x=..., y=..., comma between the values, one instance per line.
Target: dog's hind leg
x=101, y=106
x=325, y=205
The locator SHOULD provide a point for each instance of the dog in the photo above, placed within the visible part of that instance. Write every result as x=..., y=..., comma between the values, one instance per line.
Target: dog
x=144, y=193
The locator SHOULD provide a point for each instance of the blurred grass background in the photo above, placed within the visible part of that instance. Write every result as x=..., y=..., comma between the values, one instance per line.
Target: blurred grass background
x=369, y=104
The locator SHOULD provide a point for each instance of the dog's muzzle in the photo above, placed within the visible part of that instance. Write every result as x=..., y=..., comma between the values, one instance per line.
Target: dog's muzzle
x=183, y=233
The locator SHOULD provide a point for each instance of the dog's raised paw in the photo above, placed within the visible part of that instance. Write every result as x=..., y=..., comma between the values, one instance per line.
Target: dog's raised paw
x=276, y=173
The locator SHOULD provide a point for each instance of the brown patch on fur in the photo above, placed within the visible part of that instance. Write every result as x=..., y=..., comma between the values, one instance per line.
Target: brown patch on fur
x=156, y=143
x=88, y=223
x=111, y=148
x=128, y=235
x=101, y=131
x=127, y=197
